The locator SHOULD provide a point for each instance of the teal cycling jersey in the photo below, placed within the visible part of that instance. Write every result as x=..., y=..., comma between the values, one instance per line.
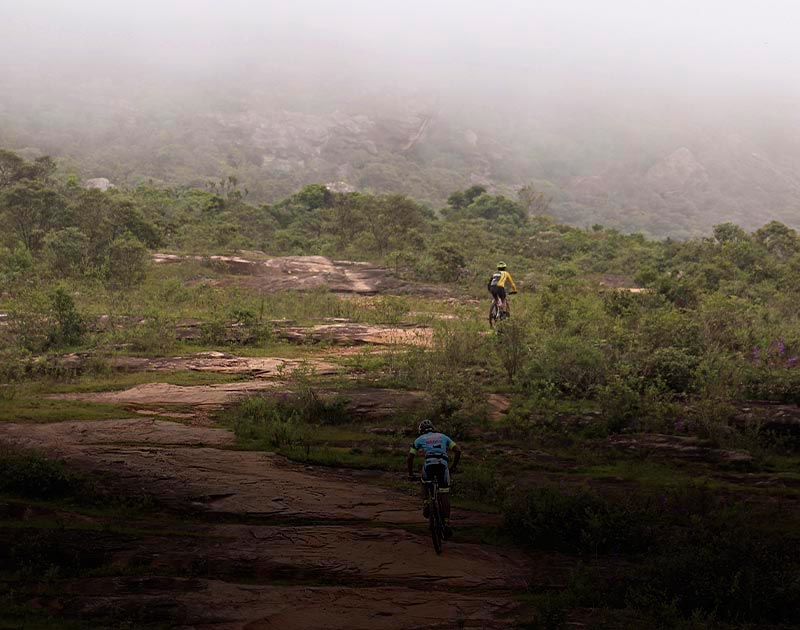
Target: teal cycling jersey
x=433, y=446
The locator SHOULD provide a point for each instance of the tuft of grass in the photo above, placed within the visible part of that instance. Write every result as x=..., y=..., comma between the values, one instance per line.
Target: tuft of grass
x=46, y=410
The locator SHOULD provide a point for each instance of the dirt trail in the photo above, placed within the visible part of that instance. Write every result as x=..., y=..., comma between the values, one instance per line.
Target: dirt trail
x=342, y=546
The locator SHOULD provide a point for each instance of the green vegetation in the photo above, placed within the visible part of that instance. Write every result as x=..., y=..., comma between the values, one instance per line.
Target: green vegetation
x=31, y=475
x=614, y=340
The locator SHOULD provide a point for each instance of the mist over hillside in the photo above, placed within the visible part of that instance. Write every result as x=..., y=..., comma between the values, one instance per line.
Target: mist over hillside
x=616, y=126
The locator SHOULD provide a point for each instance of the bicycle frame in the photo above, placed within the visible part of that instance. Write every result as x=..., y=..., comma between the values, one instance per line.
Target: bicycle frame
x=434, y=510
x=499, y=311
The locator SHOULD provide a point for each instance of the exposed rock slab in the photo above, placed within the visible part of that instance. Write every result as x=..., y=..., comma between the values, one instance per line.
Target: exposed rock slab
x=222, y=362
x=349, y=333
x=218, y=480
x=198, y=604
x=166, y=394
x=365, y=402
x=125, y=431
x=679, y=447
x=304, y=273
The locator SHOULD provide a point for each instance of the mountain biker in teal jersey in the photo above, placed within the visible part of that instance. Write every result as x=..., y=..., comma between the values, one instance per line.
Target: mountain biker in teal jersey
x=434, y=448
x=497, y=285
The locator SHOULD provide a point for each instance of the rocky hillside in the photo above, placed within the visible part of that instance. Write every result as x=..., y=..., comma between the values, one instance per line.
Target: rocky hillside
x=666, y=179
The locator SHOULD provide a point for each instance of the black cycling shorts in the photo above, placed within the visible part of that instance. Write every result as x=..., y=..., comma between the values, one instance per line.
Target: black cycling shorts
x=498, y=292
x=440, y=471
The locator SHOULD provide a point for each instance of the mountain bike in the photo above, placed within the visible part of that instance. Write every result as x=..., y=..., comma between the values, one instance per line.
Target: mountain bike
x=435, y=520
x=497, y=313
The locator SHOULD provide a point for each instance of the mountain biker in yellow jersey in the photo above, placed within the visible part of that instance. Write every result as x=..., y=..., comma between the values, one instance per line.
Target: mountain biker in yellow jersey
x=497, y=285
x=434, y=448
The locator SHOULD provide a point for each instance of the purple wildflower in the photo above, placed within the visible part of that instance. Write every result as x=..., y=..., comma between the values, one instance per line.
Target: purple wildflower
x=756, y=353
x=790, y=362
x=781, y=347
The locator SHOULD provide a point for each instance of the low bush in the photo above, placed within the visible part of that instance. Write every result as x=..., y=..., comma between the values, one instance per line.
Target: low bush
x=578, y=522
x=267, y=424
x=702, y=559
x=573, y=364
x=33, y=476
x=480, y=484
x=722, y=569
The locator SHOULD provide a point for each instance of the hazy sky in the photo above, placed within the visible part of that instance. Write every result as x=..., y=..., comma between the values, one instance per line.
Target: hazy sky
x=658, y=40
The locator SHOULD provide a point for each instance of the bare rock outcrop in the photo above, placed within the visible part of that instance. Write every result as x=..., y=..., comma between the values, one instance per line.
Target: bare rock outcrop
x=101, y=183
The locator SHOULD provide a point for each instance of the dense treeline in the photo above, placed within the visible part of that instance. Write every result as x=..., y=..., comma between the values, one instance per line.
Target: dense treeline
x=712, y=325
x=718, y=313
x=69, y=230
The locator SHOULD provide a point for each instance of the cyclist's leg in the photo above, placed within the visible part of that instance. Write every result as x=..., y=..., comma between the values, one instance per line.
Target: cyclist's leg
x=444, y=492
x=423, y=488
x=496, y=296
x=443, y=474
x=501, y=299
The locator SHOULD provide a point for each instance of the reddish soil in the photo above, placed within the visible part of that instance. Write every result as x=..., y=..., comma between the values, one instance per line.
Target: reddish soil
x=341, y=549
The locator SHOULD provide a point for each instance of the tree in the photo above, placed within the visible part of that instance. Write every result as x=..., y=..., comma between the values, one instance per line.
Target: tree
x=534, y=201
x=729, y=233
x=460, y=200
x=33, y=209
x=70, y=326
x=389, y=218
x=778, y=239
x=66, y=250
x=127, y=262
x=314, y=196
x=14, y=169
x=494, y=207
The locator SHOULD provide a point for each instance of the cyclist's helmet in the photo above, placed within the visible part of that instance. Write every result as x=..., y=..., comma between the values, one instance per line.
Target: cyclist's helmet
x=501, y=266
x=426, y=426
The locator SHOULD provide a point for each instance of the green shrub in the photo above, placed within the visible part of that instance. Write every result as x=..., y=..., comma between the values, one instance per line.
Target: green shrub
x=727, y=570
x=268, y=424
x=69, y=328
x=546, y=518
x=674, y=367
x=479, y=483
x=573, y=364
x=153, y=335
x=128, y=259
x=34, y=476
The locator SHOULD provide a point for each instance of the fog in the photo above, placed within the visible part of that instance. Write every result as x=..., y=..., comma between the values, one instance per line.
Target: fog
x=706, y=44
x=568, y=88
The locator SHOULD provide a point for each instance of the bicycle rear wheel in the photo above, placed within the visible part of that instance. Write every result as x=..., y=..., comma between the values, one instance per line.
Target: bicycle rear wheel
x=435, y=520
x=494, y=313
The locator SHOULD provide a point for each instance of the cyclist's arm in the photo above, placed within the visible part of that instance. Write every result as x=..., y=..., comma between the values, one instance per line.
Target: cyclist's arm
x=457, y=452
x=410, y=461
x=513, y=286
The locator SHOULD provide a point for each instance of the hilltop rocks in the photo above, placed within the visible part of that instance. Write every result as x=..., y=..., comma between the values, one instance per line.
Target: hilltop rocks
x=100, y=183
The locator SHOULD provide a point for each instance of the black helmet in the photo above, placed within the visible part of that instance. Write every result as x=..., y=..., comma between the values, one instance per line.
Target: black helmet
x=426, y=426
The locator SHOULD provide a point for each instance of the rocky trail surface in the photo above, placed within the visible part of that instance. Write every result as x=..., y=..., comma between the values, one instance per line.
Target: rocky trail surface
x=265, y=543
x=246, y=539
x=257, y=271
